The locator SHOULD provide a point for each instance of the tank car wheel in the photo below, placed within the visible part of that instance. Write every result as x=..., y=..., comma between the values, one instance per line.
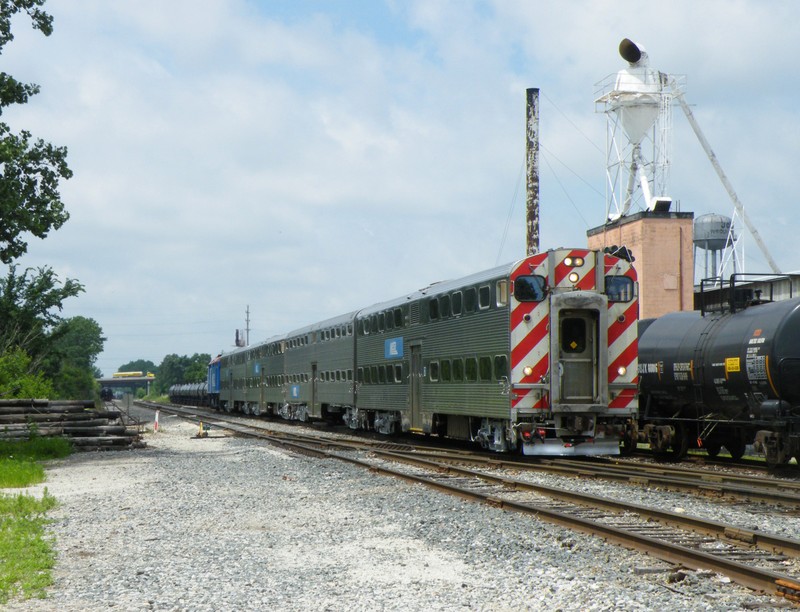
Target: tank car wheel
x=736, y=448
x=712, y=447
x=679, y=446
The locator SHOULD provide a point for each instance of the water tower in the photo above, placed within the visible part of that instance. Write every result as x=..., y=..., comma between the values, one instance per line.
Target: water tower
x=714, y=234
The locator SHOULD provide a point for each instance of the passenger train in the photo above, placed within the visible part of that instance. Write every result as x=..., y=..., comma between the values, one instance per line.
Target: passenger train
x=538, y=356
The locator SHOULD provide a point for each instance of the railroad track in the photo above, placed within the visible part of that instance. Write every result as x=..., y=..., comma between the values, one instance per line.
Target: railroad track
x=750, y=558
x=711, y=483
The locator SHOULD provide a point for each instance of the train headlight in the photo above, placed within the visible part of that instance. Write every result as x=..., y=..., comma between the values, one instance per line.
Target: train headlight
x=573, y=277
x=622, y=370
x=527, y=370
x=573, y=262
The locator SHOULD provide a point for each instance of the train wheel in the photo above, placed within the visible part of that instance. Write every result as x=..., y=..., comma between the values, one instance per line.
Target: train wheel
x=712, y=447
x=679, y=446
x=736, y=447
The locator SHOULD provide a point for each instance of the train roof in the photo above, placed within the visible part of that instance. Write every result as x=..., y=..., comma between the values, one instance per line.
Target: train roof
x=332, y=322
x=440, y=287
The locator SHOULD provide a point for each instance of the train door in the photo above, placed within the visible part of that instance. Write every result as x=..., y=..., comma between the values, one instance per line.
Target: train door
x=262, y=390
x=577, y=354
x=229, y=404
x=416, y=374
x=312, y=407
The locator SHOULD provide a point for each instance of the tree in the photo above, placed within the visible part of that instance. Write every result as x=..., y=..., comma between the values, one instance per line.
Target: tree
x=75, y=344
x=29, y=171
x=28, y=310
x=175, y=369
x=197, y=370
x=16, y=379
x=78, y=340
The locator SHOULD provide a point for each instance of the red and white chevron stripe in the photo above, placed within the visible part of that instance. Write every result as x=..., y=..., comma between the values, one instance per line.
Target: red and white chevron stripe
x=623, y=337
x=530, y=328
x=530, y=339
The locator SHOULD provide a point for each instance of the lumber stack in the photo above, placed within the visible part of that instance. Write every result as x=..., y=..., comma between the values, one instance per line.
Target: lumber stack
x=88, y=427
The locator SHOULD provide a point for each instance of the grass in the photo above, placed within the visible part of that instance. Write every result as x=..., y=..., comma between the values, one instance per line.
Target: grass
x=27, y=556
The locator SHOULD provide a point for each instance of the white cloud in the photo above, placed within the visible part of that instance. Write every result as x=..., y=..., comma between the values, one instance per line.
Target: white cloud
x=308, y=163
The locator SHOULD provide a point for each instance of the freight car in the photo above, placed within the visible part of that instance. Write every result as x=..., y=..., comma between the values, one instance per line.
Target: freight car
x=539, y=355
x=731, y=379
x=195, y=394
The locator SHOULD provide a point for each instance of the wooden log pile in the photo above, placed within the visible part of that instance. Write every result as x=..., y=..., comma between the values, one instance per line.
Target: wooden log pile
x=87, y=427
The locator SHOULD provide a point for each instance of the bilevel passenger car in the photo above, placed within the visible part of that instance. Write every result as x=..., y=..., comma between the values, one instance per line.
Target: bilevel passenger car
x=723, y=379
x=538, y=356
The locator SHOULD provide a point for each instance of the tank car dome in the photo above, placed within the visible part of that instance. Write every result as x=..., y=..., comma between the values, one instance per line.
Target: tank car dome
x=711, y=231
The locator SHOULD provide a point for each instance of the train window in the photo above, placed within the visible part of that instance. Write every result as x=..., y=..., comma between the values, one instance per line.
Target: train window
x=484, y=297
x=458, y=370
x=471, y=369
x=374, y=324
x=485, y=368
x=338, y=375
x=381, y=375
x=444, y=306
x=398, y=373
x=445, y=370
x=433, y=309
x=349, y=329
x=374, y=374
x=573, y=335
x=398, y=317
x=502, y=293
x=389, y=320
x=530, y=288
x=456, y=301
x=363, y=326
x=619, y=288
x=470, y=299
x=360, y=375
x=349, y=374
x=381, y=322
x=434, y=371
x=500, y=367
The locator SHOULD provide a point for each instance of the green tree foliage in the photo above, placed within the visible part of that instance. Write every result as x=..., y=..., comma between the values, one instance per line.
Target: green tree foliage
x=28, y=310
x=79, y=341
x=16, y=379
x=197, y=371
x=75, y=344
x=175, y=369
x=30, y=169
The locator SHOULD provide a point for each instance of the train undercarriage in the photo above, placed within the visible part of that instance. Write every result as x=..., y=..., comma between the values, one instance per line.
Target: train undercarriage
x=545, y=435
x=671, y=439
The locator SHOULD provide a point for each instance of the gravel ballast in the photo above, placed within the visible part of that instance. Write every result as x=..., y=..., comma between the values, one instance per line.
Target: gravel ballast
x=226, y=523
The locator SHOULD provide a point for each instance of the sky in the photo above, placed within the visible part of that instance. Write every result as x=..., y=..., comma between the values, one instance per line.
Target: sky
x=304, y=159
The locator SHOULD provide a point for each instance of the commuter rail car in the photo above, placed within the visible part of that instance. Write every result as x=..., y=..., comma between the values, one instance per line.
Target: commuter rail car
x=539, y=356
x=724, y=379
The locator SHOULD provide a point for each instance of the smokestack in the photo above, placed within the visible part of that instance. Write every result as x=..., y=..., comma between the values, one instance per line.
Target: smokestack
x=532, y=164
